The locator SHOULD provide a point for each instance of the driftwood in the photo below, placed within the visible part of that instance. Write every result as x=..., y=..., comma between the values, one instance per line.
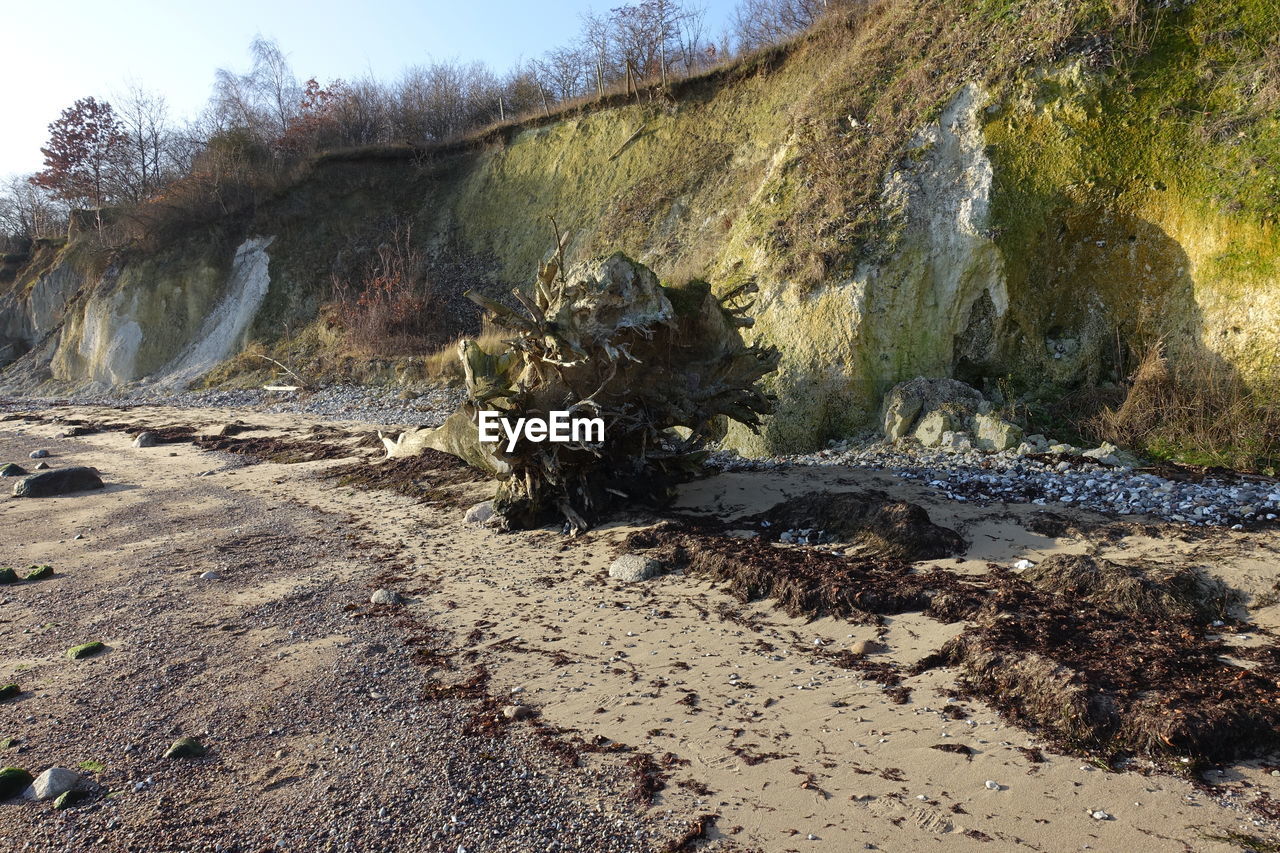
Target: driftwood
x=663, y=368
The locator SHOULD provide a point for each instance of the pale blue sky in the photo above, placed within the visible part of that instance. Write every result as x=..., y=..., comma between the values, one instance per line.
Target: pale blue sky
x=53, y=55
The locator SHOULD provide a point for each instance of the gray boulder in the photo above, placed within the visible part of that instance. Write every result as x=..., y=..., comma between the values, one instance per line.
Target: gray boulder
x=633, y=568
x=39, y=454
x=146, y=439
x=53, y=783
x=481, y=513
x=907, y=401
x=58, y=481
x=384, y=596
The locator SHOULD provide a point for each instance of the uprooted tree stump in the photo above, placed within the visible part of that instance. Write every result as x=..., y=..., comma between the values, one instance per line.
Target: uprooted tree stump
x=663, y=368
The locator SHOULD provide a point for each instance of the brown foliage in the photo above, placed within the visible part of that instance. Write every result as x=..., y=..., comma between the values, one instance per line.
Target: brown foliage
x=389, y=310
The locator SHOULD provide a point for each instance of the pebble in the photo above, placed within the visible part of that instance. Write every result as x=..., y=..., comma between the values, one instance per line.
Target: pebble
x=1008, y=476
x=385, y=596
x=1100, y=815
x=992, y=785
x=210, y=576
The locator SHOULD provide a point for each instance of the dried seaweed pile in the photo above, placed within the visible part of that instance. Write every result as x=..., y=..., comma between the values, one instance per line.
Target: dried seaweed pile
x=1096, y=656
x=871, y=520
x=426, y=477
x=279, y=450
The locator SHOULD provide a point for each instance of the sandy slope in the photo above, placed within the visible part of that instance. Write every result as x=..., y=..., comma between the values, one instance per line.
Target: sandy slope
x=778, y=742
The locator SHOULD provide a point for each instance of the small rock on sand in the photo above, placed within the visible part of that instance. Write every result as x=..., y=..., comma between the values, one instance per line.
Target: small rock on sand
x=12, y=469
x=52, y=783
x=866, y=647
x=481, y=513
x=13, y=781
x=185, y=747
x=384, y=596
x=517, y=712
x=59, y=481
x=210, y=576
x=39, y=454
x=145, y=439
x=633, y=567
x=42, y=466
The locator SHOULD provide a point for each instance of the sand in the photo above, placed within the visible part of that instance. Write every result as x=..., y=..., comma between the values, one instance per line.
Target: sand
x=736, y=701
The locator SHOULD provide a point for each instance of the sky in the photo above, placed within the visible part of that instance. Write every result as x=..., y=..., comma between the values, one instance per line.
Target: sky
x=173, y=47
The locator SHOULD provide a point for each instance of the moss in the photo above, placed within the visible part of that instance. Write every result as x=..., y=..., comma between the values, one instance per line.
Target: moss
x=85, y=650
x=37, y=573
x=67, y=799
x=187, y=747
x=13, y=781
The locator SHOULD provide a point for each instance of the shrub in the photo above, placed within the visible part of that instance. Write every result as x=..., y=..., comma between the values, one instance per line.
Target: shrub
x=388, y=311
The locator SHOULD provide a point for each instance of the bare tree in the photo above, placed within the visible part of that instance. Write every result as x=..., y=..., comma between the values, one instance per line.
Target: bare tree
x=145, y=156
x=758, y=23
x=29, y=211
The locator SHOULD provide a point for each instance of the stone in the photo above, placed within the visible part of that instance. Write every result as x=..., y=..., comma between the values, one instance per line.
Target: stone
x=13, y=781
x=992, y=785
x=42, y=466
x=517, y=712
x=39, y=454
x=1108, y=454
x=633, y=567
x=53, y=783
x=8, y=576
x=85, y=650
x=12, y=469
x=185, y=747
x=146, y=439
x=932, y=426
x=9, y=691
x=385, y=596
x=68, y=799
x=39, y=573
x=1039, y=444
x=481, y=513
x=210, y=576
x=995, y=434
x=907, y=401
x=866, y=647
x=60, y=481
x=958, y=442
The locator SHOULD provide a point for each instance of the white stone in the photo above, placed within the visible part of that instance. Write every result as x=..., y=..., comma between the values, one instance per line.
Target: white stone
x=633, y=567
x=53, y=783
x=384, y=596
x=481, y=513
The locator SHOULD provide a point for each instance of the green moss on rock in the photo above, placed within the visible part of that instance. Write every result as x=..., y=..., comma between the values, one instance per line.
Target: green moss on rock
x=36, y=573
x=13, y=781
x=186, y=747
x=85, y=650
x=9, y=691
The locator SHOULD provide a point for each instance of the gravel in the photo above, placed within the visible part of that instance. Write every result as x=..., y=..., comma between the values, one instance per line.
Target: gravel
x=366, y=404
x=1061, y=480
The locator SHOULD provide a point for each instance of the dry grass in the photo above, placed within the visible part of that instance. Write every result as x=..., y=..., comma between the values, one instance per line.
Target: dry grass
x=1200, y=412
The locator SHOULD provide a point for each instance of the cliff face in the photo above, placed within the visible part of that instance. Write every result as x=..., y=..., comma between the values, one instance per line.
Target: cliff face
x=1025, y=217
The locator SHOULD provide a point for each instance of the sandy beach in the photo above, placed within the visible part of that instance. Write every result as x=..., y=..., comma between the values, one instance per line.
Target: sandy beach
x=661, y=715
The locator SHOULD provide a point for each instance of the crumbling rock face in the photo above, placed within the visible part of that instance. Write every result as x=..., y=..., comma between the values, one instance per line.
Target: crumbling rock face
x=663, y=368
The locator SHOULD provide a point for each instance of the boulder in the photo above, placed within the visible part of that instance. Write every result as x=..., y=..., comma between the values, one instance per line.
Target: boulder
x=146, y=439
x=39, y=454
x=13, y=781
x=995, y=434
x=12, y=469
x=932, y=426
x=58, y=481
x=633, y=567
x=958, y=442
x=907, y=401
x=53, y=783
